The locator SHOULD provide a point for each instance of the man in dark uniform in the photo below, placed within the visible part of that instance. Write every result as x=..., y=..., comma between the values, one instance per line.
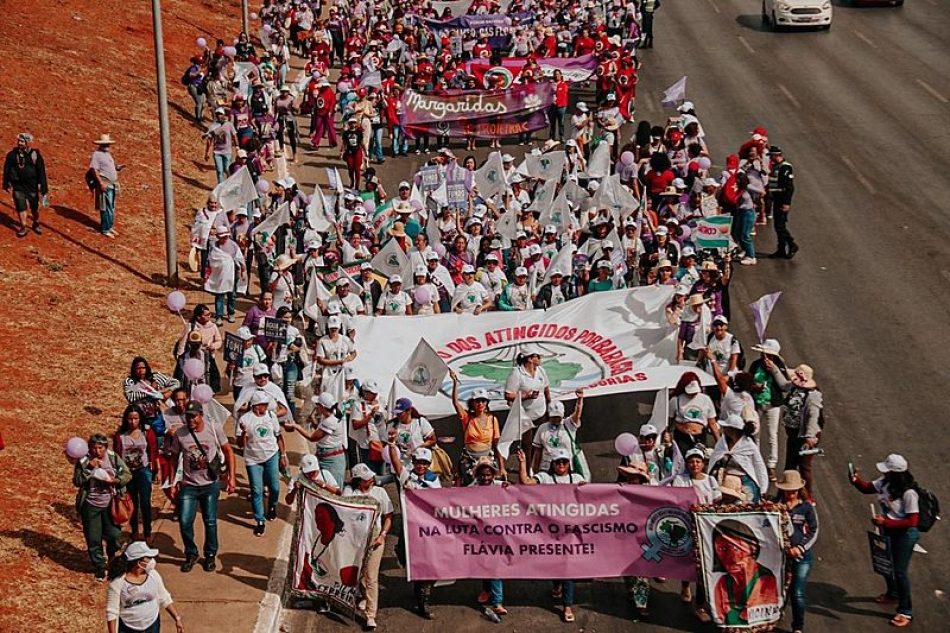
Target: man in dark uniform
x=781, y=190
x=25, y=173
x=647, y=9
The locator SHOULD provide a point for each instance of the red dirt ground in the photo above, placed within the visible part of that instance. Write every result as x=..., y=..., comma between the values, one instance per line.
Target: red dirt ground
x=75, y=306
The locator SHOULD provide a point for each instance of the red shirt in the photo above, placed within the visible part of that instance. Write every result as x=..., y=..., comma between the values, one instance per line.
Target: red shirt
x=658, y=181
x=583, y=45
x=561, y=89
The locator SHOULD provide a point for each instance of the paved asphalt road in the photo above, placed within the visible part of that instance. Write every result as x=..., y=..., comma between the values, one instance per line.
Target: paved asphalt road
x=862, y=112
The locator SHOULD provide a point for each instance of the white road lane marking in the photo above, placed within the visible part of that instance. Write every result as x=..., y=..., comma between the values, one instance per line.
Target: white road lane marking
x=864, y=38
x=936, y=95
x=748, y=46
x=858, y=175
x=712, y=3
x=790, y=96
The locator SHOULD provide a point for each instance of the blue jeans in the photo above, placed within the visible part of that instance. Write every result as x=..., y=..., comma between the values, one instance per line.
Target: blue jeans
x=902, y=547
x=260, y=475
x=400, y=142
x=190, y=499
x=496, y=591
x=222, y=162
x=800, y=570
x=291, y=375
x=568, y=586
x=107, y=210
x=746, y=220
x=336, y=466
x=748, y=484
x=376, y=144
x=220, y=300
x=154, y=627
x=140, y=489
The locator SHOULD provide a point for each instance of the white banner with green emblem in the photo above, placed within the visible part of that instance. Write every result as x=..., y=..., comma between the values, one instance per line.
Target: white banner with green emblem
x=605, y=342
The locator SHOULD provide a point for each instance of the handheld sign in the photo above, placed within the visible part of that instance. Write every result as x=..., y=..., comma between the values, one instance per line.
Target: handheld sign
x=881, y=560
x=274, y=329
x=713, y=232
x=233, y=347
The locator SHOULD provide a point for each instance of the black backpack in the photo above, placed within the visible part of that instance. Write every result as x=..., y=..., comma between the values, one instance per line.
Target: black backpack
x=928, y=507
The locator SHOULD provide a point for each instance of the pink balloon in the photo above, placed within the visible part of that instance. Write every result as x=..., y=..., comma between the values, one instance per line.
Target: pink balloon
x=626, y=443
x=176, y=301
x=369, y=206
x=421, y=295
x=201, y=43
x=194, y=368
x=627, y=158
x=253, y=16
x=230, y=51
x=202, y=393
x=76, y=448
x=263, y=186
x=685, y=231
x=704, y=162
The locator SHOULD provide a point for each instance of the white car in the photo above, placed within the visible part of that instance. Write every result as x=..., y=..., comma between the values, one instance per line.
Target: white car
x=778, y=14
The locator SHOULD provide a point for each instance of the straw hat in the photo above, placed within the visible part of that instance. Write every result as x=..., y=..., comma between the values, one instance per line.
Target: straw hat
x=104, y=139
x=710, y=266
x=398, y=229
x=790, y=480
x=283, y=262
x=732, y=486
x=696, y=299
x=804, y=376
x=635, y=469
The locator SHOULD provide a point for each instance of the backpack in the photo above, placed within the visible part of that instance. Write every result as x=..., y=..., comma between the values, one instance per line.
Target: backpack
x=91, y=181
x=729, y=194
x=928, y=507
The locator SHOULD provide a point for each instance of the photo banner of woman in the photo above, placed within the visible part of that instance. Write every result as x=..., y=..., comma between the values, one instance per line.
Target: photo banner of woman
x=332, y=538
x=574, y=69
x=543, y=532
x=741, y=557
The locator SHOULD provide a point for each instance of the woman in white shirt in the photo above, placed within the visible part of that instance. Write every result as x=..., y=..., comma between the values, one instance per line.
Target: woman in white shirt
x=333, y=351
x=329, y=434
x=707, y=493
x=692, y=412
x=559, y=473
x=425, y=296
x=736, y=453
x=258, y=433
x=137, y=594
x=529, y=380
x=364, y=485
x=281, y=282
x=412, y=430
x=558, y=432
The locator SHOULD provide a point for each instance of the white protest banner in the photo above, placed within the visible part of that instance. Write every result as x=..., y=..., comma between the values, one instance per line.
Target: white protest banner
x=547, y=166
x=391, y=260
x=317, y=216
x=762, y=310
x=605, y=342
x=490, y=177
x=332, y=541
x=713, y=232
x=517, y=424
x=236, y=191
x=424, y=370
x=599, y=164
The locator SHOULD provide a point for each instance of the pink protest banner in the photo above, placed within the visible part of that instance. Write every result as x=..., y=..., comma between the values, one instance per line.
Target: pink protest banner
x=422, y=109
x=574, y=69
x=549, y=532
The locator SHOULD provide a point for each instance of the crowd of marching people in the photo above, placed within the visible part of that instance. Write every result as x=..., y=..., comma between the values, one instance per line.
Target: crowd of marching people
x=615, y=212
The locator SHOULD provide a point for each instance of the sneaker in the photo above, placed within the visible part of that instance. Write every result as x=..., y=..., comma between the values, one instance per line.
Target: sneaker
x=323, y=607
x=499, y=610
x=230, y=318
x=259, y=529
x=792, y=250
x=189, y=563
x=748, y=261
x=219, y=321
x=425, y=611
x=370, y=624
x=484, y=597
x=21, y=232
x=37, y=228
x=272, y=513
x=208, y=564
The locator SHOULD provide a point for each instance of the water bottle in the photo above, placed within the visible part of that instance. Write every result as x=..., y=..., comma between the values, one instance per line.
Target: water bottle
x=811, y=451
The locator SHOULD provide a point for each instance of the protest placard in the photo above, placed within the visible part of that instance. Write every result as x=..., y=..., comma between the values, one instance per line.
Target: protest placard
x=274, y=329
x=233, y=347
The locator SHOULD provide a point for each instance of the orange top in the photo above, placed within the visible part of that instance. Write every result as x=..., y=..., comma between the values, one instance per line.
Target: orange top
x=479, y=436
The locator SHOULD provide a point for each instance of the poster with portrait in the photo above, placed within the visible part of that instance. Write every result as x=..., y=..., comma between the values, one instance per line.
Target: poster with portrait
x=332, y=538
x=742, y=562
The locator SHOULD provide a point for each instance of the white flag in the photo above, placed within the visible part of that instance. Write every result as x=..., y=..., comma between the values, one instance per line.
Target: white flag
x=317, y=216
x=762, y=310
x=558, y=212
x=316, y=291
x=543, y=197
x=416, y=196
x=424, y=371
x=517, y=424
x=599, y=164
x=236, y=191
x=703, y=326
x=390, y=404
x=441, y=194
x=490, y=177
x=660, y=418
x=271, y=223
x=216, y=412
x=432, y=230
x=563, y=262
x=548, y=166
x=675, y=93
x=507, y=224
x=390, y=260
x=614, y=196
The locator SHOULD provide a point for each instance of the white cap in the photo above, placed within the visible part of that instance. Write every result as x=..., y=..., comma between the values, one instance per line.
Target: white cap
x=521, y=271
x=362, y=471
x=686, y=106
x=557, y=271
x=768, y=346
x=695, y=452
x=679, y=183
x=366, y=266
x=309, y=464
x=721, y=319
x=662, y=230
x=556, y=409
x=260, y=369
x=894, y=463
x=480, y=394
x=648, y=429
x=139, y=549
x=325, y=399
x=371, y=385
x=333, y=308
x=313, y=245
x=405, y=185
x=432, y=255
x=687, y=252
x=732, y=421
x=682, y=290
x=534, y=249
x=395, y=279
x=334, y=322
x=516, y=177
x=244, y=333
x=420, y=271
x=507, y=158
x=349, y=372
x=603, y=264
x=468, y=268
x=491, y=257
x=560, y=453
x=582, y=106
x=710, y=182
x=550, y=228
x=692, y=387
x=260, y=397
x=422, y=454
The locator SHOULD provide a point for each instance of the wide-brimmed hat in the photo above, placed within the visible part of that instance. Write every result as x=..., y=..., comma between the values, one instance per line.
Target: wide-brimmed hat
x=696, y=299
x=610, y=124
x=803, y=376
x=283, y=262
x=790, y=480
x=709, y=266
x=104, y=139
x=485, y=462
x=398, y=229
x=635, y=469
x=732, y=485
x=769, y=346
x=671, y=191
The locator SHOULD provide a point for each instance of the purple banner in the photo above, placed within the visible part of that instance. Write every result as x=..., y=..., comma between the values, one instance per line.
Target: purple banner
x=487, y=128
x=464, y=105
x=554, y=531
x=497, y=28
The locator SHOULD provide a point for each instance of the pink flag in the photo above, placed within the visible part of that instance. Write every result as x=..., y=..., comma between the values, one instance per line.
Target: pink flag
x=762, y=310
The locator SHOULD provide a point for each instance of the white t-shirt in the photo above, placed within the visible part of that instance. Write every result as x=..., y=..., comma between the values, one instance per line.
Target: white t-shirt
x=370, y=432
x=734, y=403
x=335, y=434
x=284, y=289
x=521, y=380
x=409, y=479
x=138, y=606
x=707, y=488
x=411, y=436
x=550, y=436
x=702, y=403
x=394, y=304
x=262, y=433
x=569, y=478
x=469, y=297
x=381, y=496
x=722, y=350
x=908, y=503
